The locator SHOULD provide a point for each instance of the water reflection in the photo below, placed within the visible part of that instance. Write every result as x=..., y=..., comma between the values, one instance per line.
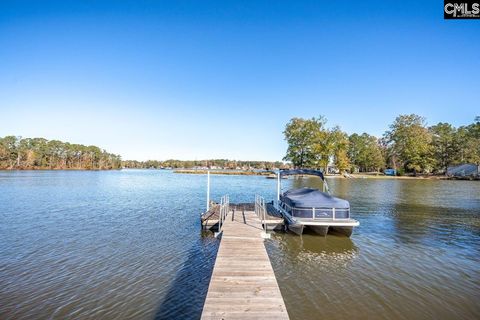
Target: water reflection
x=187, y=292
x=329, y=252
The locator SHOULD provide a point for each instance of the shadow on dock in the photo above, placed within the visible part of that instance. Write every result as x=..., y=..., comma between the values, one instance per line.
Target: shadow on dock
x=186, y=295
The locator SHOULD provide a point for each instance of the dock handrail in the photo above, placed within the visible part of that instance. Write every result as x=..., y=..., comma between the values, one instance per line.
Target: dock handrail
x=261, y=211
x=224, y=209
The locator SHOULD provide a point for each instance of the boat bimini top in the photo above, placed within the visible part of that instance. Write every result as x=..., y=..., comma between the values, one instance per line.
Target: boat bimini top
x=297, y=172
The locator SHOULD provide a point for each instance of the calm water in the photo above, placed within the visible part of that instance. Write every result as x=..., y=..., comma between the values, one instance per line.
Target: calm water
x=128, y=244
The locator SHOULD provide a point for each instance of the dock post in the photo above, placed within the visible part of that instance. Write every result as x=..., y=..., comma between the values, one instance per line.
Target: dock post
x=208, y=190
x=220, y=218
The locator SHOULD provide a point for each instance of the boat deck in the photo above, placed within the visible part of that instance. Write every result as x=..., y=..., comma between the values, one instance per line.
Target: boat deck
x=243, y=284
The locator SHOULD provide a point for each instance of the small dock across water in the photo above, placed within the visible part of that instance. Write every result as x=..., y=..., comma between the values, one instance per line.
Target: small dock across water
x=243, y=284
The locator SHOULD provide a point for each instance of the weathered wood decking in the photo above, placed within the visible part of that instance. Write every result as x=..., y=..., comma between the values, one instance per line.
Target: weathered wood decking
x=243, y=284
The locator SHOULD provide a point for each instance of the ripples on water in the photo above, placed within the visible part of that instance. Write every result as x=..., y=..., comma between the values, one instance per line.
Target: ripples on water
x=128, y=244
x=102, y=245
x=414, y=256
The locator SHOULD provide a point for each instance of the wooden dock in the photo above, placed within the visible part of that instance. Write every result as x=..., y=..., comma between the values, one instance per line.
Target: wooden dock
x=273, y=219
x=243, y=284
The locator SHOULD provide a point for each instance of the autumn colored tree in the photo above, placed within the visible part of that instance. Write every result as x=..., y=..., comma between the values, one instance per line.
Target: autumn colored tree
x=39, y=153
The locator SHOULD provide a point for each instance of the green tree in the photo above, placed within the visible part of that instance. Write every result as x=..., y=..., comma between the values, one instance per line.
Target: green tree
x=468, y=138
x=365, y=152
x=410, y=141
x=302, y=136
x=445, y=145
x=312, y=145
x=340, y=148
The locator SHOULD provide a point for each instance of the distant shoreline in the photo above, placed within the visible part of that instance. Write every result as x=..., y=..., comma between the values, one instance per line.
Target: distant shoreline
x=224, y=172
x=336, y=176
x=57, y=169
x=379, y=176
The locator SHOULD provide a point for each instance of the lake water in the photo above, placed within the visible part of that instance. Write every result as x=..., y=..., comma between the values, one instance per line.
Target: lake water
x=128, y=244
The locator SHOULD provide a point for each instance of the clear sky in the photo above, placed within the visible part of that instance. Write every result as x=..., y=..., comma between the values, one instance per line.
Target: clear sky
x=220, y=79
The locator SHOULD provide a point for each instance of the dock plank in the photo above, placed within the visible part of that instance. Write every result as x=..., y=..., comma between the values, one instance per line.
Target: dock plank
x=243, y=284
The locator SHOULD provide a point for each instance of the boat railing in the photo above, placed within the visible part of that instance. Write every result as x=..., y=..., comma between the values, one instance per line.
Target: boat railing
x=261, y=211
x=224, y=209
x=318, y=213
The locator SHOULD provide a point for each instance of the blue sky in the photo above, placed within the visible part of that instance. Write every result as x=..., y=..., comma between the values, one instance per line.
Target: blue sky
x=220, y=79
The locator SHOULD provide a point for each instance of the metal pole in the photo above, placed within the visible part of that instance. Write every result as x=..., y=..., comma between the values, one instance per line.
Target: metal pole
x=278, y=185
x=221, y=213
x=261, y=211
x=208, y=190
x=264, y=213
x=222, y=210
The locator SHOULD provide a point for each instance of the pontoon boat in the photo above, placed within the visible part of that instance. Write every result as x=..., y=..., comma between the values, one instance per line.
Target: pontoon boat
x=312, y=208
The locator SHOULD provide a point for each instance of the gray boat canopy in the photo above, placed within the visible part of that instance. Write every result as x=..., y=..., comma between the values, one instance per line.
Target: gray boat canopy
x=309, y=172
x=312, y=198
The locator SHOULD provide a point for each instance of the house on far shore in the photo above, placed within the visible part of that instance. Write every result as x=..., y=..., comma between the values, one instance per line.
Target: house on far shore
x=464, y=170
x=332, y=169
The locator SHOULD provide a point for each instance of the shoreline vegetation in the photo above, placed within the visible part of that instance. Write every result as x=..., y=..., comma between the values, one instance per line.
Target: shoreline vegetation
x=410, y=147
x=17, y=153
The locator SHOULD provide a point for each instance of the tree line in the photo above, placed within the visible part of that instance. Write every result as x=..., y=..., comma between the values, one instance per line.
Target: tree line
x=40, y=153
x=408, y=146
